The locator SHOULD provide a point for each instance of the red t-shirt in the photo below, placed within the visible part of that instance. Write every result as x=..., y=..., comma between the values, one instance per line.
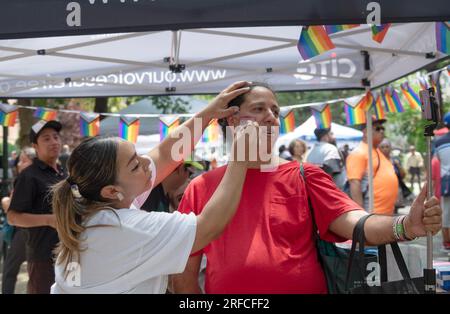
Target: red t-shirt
x=268, y=247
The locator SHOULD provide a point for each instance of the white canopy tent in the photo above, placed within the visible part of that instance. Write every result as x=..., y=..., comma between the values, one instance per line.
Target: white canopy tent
x=208, y=60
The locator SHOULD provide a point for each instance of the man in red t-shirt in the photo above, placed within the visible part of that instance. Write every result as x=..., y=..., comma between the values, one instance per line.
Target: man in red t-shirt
x=269, y=246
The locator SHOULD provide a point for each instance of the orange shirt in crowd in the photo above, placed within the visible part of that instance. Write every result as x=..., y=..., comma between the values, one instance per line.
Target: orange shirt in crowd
x=385, y=182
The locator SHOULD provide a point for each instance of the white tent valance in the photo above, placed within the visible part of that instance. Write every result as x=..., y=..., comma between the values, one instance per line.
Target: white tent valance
x=208, y=60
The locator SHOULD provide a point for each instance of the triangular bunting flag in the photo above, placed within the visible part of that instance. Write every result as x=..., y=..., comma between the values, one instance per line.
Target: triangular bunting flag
x=211, y=134
x=379, y=32
x=129, y=128
x=322, y=115
x=391, y=100
x=313, y=41
x=287, y=120
x=8, y=115
x=378, y=106
x=167, y=124
x=45, y=114
x=411, y=96
x=89, y=124
x=354, y=116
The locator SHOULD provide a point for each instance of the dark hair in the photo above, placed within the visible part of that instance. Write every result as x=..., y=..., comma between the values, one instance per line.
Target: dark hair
x=92, y=166
x=319, y=133
x=282, y=148
x=239, y=100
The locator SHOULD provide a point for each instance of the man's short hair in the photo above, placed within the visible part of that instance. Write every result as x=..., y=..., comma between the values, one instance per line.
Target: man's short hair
x=319, y=133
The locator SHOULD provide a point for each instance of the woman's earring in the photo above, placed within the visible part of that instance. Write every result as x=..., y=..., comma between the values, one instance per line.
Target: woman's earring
x=120, y=197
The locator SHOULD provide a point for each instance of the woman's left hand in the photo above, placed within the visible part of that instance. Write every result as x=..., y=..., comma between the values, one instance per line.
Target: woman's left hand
x=218, y=107
x=424, y=216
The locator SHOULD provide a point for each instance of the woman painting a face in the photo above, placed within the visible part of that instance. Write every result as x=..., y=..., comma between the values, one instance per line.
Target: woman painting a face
x=106, y=245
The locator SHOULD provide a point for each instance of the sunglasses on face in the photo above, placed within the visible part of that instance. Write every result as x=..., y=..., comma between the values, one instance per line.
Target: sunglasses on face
x=380, y=128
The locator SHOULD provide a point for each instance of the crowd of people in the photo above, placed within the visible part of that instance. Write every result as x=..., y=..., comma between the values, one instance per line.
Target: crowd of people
x=106, y=220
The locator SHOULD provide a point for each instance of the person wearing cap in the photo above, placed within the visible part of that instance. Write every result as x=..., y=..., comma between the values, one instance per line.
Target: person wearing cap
x=31, y=207
x=385, y=183
x=414, y=164
x=442, y=149
x=159, y=199
x=325, y=155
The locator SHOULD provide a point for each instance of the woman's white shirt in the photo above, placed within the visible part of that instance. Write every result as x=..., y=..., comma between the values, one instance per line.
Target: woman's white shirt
x=134, y=253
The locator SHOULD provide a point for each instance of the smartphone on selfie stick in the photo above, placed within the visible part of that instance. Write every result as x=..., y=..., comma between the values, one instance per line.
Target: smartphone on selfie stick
x=431, y=114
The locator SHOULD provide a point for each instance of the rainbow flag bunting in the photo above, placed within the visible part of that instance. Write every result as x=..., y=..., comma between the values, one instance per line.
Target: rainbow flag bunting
x=366, y=102
x=211, y=134
x=391, y=100
x=443, y=37
x=322, y=117
x=411, y=96
x=167, y=124
x=45, y=114
x=379, y=32
x=89, y=124
x=423, y=83
x=129, y=128
x=313, y=41
x=378, y=107
x=354, y=116
x=8, y=115
x=331, y=29
x=287, y=121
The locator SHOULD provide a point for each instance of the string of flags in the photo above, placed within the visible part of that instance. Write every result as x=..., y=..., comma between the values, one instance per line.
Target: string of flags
x=315, y=40
x=386, y=100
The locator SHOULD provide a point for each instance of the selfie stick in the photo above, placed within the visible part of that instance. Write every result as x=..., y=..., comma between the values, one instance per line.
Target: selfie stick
x=430, y=112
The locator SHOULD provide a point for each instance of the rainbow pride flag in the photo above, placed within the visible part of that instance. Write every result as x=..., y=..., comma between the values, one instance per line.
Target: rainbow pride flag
x=354, y=116
x=8, y=115
x=391, y=100
x=378, y=107
x=379, y=32
x=129, y=128
x=89, y=124
x=411, y=96
x=167, y=124
x=313, y=41
x=366, y=102
x=287, y=121
x=443, y=37
x=331, y=29
x=45, y=114
x=211, y=134
x=323, y=117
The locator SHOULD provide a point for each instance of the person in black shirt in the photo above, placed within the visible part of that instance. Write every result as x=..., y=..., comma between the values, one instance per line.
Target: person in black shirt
x=31, y=205
x=159, y=200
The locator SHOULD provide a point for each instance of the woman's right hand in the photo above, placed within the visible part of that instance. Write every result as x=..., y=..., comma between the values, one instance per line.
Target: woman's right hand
x=218, y=107
x=246, y=143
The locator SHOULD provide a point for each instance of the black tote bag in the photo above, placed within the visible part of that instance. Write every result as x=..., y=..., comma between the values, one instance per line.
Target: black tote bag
x=346, y=270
